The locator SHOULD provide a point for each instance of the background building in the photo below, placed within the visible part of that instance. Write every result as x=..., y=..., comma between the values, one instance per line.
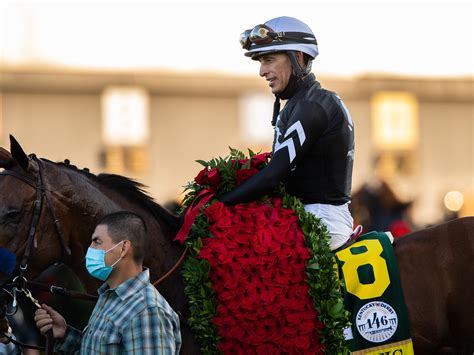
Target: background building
x=134, y=93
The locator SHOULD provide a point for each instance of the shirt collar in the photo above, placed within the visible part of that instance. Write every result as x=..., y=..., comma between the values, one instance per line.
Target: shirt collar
x=129, y=287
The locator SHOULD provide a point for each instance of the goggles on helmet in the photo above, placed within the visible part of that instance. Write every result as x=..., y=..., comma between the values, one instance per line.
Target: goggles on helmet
x=262, y=34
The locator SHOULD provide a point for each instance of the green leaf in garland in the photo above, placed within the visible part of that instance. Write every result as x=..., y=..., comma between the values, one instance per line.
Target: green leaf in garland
x=313, y=266
x=203, y=163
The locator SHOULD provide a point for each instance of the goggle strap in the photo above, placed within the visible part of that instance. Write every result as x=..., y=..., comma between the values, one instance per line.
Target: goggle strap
x=299, y=40
x=294, y=36
x=281, y=37
x=280, y=42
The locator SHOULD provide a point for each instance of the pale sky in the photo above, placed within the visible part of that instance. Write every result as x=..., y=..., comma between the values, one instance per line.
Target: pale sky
x=404, y=37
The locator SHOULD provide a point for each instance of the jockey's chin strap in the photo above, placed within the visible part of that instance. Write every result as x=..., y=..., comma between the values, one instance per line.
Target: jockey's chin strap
x=41, y=194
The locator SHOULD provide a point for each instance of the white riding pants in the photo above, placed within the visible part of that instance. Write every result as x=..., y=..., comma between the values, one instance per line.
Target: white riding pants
x=338, y=220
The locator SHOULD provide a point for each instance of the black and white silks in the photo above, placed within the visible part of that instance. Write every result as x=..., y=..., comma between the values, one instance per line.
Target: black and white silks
x=313, y=150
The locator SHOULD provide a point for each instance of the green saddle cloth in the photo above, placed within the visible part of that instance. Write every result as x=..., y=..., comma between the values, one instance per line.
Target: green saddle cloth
x=374, y=296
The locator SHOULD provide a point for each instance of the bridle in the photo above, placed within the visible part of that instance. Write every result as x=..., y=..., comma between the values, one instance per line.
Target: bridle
x=19, y=282
x=42, y=194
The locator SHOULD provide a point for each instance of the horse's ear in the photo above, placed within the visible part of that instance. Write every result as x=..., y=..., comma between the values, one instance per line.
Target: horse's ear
x=6, y=160
x=18, y=154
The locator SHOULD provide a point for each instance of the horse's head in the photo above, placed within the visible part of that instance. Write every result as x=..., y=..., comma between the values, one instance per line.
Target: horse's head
x=38, y=200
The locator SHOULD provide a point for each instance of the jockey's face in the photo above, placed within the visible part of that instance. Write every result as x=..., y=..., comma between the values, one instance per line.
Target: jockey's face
x=276, y=69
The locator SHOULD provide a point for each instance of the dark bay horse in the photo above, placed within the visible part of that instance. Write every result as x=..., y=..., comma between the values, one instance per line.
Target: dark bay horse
x=437, y=273
x=78, y=199
x=435, y=264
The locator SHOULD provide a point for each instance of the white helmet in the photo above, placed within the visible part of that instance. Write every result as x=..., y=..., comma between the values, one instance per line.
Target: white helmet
x=278, y=35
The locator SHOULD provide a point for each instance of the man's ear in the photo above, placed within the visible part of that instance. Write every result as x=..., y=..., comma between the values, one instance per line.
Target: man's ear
x=300, y=58
x=127, y=247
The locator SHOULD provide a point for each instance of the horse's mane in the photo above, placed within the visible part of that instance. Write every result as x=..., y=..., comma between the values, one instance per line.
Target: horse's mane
x=131, y=189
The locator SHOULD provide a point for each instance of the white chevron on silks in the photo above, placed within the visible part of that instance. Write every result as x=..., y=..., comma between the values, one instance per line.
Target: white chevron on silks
x=290, y=144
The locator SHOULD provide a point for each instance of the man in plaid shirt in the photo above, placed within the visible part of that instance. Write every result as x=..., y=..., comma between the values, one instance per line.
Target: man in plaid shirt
x=131, y=316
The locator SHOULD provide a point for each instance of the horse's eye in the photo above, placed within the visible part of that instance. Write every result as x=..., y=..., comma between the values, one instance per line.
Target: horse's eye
x=11, y=216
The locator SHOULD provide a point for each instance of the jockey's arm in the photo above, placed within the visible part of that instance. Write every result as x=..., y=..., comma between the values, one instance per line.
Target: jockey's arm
x=308, y=122
x=262, y=183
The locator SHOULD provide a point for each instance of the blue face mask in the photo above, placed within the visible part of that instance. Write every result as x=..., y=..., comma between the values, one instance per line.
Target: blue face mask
x=95, y=263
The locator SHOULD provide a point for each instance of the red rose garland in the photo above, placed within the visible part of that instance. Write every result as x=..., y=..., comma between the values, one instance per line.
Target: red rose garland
x=250, y=277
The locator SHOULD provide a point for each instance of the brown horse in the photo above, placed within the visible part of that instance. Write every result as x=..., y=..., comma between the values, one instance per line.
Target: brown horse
x=435, y=264
x=437, y=274
x=77, y=199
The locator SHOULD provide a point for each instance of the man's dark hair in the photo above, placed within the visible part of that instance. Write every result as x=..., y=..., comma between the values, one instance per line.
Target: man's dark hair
x=125, y=225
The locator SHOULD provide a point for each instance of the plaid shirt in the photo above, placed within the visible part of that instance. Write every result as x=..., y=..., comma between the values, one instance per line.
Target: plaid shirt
x=133, y=318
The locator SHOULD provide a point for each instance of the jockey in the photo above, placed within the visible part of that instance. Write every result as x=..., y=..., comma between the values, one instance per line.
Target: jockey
x=313, y=146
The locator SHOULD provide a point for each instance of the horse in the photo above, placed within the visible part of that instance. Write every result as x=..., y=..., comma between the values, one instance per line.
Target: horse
x=435, y=264
x=62, y=204
x=437, y=277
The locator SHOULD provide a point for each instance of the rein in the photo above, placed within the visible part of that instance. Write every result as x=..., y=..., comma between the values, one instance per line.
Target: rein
x=87, y=296
x=22, y=345
x=172, y=270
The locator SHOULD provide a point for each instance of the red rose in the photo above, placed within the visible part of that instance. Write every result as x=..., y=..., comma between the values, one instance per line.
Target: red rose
x=303, y=342
x=215, y=211
x=276, y=202
x=306, y=327
x=226, y=258
x=295, y=304
x=258, y=160
x=201, y=178
x=282, y=279
x=226, y=320
x=223, y=222
x=214, y=177
x=236, y=332
x=244, y=174
x=268, y=349
x=290, y=330
x=244, y=161
x=248, y=303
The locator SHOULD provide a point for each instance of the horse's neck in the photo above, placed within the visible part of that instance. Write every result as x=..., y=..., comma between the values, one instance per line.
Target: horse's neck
x=160, y=242
x=87, y=201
